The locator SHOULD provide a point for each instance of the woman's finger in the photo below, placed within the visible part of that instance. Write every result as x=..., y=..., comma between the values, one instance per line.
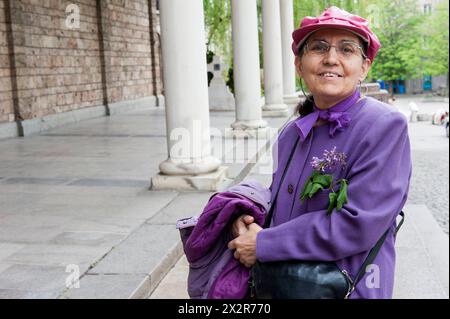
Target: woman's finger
x=248, y=219
x=236, y=255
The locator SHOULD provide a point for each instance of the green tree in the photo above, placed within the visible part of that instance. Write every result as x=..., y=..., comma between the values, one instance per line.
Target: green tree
x=397, y=29
x=218, y=27
x=435, y=40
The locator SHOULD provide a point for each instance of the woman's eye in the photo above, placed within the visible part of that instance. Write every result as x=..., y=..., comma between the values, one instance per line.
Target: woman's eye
x=319, y=48
x=348, y=49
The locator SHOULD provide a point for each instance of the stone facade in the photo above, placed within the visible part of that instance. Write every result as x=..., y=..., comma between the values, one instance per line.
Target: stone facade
x=111, y=55
x=6, y=98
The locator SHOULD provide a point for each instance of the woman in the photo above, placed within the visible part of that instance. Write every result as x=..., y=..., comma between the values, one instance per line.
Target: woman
x=334, y=53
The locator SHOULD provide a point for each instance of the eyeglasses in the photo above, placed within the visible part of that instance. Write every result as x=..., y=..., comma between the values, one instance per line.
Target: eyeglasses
x=345, y=49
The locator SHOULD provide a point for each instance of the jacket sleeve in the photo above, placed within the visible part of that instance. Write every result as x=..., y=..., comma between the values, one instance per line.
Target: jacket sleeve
x=378, y=185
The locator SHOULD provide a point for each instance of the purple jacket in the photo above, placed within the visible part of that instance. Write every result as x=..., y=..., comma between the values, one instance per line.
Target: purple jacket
x=378, y=170
x=213, y=272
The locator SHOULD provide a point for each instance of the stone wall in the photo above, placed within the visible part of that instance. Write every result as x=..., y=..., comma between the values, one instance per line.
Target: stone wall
x=6, y=101
x=62, y=66
x=127, y=44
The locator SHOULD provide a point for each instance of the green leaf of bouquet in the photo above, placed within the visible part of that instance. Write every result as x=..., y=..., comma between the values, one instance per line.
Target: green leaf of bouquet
x=333, y=199
x=306, y=189
x=315, y=188
x=342, y=195
x=324, y=180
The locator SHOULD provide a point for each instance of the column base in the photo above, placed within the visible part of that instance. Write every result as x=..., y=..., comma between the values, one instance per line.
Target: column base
x=291, y=99
x=240, y=133
x=179, y=167
x=275, y=110
x=204, y=182
x=248, y=125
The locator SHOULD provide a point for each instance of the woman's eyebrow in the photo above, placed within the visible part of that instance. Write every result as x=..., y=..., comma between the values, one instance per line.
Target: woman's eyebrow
x=348, y=40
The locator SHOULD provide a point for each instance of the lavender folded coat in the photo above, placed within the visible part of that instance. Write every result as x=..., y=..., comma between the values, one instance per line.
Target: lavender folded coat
x=213, y=272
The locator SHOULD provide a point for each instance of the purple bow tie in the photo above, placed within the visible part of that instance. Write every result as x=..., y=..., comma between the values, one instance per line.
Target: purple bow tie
x=337, y=116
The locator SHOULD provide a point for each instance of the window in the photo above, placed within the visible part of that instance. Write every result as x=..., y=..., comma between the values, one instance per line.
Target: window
x=427, y=8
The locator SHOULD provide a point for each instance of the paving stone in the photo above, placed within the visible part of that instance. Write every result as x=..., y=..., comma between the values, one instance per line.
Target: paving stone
x=35, y=180
x=141, y=252
x=28, y=294
x=7, y=249
x=27, y=234
x=3, y=266
x=184, y=205
x=33, y=278
x=88, y=238
x=110, y=182
x=57, y=255
x=174, y=285
x=117, y=286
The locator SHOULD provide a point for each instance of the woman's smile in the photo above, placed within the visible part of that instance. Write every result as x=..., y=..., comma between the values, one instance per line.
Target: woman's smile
x=329, y=74
x=330, y=77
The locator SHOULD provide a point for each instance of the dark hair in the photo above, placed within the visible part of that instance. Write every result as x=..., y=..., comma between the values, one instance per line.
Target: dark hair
x=305, y=107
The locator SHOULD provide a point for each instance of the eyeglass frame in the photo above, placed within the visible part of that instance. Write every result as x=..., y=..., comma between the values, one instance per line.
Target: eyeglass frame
x=304, y=47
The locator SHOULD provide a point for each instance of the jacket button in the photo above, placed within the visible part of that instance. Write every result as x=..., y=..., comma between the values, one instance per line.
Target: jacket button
x=290, y=188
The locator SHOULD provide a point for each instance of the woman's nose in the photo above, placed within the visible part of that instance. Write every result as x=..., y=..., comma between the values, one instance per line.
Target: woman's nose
x=332, y=56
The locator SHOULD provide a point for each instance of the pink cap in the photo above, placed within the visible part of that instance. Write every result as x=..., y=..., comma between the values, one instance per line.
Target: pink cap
x=336, y=18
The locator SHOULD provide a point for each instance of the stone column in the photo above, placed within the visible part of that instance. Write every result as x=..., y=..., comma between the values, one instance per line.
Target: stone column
x=247, y=80
x=190, y=164
x=287, y=27
x=273, y=66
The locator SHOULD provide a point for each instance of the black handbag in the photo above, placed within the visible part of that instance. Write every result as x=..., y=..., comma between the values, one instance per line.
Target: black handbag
x=294, y=279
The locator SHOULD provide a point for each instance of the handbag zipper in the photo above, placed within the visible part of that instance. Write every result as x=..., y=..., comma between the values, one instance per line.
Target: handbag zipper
x=350, y=280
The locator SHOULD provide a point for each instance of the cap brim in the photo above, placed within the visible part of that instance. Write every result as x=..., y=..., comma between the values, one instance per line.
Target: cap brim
x=306, y=32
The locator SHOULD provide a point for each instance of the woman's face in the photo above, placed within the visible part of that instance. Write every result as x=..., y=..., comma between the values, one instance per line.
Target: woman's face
x=332, y=76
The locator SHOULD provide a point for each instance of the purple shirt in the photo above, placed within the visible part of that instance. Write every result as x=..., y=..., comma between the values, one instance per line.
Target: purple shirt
x=378, y=169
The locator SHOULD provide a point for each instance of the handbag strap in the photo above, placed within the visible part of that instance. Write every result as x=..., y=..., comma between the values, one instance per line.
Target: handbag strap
x=269, y=215
x=372, y=253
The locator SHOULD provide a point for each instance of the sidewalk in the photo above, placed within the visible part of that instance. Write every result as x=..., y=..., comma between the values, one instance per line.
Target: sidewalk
x=75, y=200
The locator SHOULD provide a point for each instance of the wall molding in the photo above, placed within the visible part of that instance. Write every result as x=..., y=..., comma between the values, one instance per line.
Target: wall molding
x=37, y=125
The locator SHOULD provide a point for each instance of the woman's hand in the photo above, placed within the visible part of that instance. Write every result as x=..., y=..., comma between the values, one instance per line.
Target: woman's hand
x=240, y=225
x=245, y=245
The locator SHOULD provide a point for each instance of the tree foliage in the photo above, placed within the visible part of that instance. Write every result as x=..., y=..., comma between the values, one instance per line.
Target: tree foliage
x=414, y=44
x=218, y=27
x=435, y=35
x=397, y=28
